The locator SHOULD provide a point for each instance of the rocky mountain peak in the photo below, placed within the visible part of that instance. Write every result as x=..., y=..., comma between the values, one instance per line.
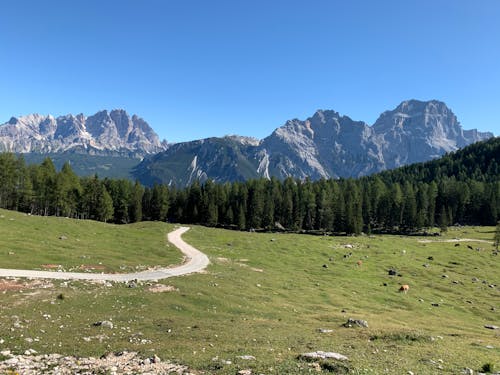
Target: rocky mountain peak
x=324, y=145
x=101, y=133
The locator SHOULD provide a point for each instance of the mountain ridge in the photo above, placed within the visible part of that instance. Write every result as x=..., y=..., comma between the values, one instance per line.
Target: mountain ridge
x=325, y=145
x=105, y=133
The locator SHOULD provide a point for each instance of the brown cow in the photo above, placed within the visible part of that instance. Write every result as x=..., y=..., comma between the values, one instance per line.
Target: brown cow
x=404, y=288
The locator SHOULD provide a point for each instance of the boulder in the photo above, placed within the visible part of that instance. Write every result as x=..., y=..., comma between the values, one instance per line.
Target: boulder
x=323, y=355
x=105, y=324
x=490, y=326
x=355, y=323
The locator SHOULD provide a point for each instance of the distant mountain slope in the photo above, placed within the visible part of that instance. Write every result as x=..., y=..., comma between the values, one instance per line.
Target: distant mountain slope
x=479, y=161
x=89, y=165
x=221, y=159
x=106, y=133
x=323, y=146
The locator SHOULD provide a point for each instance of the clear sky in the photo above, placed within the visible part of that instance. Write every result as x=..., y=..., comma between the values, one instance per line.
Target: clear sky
x=194, y=69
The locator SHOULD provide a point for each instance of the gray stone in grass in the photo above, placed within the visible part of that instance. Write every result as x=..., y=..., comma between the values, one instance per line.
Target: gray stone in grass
x=323, y=355
x=105, y=324
x=356, y=322
x=490, y=326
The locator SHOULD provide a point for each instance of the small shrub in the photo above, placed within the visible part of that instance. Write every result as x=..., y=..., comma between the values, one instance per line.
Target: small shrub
x=60, y=296
x=487, y=367
x=336, y=368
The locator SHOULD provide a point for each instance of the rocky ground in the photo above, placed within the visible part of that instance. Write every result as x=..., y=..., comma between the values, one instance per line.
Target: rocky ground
x=31, y=363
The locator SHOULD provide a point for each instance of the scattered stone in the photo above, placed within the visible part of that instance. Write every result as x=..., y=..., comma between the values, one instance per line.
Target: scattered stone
x=63, y=237
x=468, y=371
x=489, y=326
x=323, y=355
x=105, y=324
x=246, y=357
x=475, y=280
x=132, y=284
x=159, y=288
x=245, y=372
x=445, y=276
x=355, y=322
x=435, y=304
x=120, y=363
x=430, y=258
x=325, y=265
x=426, y=265
x=325, y=330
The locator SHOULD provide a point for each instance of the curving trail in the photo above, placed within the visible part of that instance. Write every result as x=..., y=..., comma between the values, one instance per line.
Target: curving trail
x=196, y=261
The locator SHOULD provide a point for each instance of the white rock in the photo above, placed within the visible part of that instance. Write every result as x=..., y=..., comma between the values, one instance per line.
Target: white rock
x=246, y=357
x=324, y=355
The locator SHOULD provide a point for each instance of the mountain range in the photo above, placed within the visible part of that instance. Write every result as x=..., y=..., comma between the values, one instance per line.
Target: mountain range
x=326, y=145
x=105, y=133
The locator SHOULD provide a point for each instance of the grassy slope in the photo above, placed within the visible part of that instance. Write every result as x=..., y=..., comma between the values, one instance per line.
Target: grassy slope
x=28, y=242
x=236, y=309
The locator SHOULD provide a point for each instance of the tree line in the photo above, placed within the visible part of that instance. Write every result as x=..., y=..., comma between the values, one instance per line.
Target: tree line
x=386, y=202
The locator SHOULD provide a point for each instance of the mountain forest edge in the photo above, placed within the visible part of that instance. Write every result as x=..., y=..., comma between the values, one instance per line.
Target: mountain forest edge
x=459, y=188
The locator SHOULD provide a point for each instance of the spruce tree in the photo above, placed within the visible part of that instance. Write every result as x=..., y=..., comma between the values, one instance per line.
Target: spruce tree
x=496, y=239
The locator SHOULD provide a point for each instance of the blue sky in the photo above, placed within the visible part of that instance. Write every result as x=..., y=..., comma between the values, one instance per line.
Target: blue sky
x=194, y=69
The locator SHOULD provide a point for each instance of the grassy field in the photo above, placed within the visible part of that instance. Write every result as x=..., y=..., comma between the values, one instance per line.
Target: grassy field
x=34, y=242
x=267, y=295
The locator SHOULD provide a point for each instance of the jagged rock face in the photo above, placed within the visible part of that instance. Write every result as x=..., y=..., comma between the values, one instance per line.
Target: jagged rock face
x=418, y=131
x=104, y=133
x=323, y=146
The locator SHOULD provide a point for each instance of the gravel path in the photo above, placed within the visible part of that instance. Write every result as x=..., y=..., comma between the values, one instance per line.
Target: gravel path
x=196, y=261
x=456, y=240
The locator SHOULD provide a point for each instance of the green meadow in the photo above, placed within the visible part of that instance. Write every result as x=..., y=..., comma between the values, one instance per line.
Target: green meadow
x=263, y=295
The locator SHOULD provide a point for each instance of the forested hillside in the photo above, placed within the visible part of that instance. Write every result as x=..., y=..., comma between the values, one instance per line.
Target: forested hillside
x=462, y=187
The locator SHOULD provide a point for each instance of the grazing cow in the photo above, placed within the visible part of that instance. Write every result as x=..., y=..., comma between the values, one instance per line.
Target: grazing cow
x=359, y=263
x=404, y=288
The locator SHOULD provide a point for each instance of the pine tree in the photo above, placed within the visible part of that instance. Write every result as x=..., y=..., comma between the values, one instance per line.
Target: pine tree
x=496, y=239
x=443, y=219
x=135, y=207
x=104, y=209
x=66, y=192
x=8, y=180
